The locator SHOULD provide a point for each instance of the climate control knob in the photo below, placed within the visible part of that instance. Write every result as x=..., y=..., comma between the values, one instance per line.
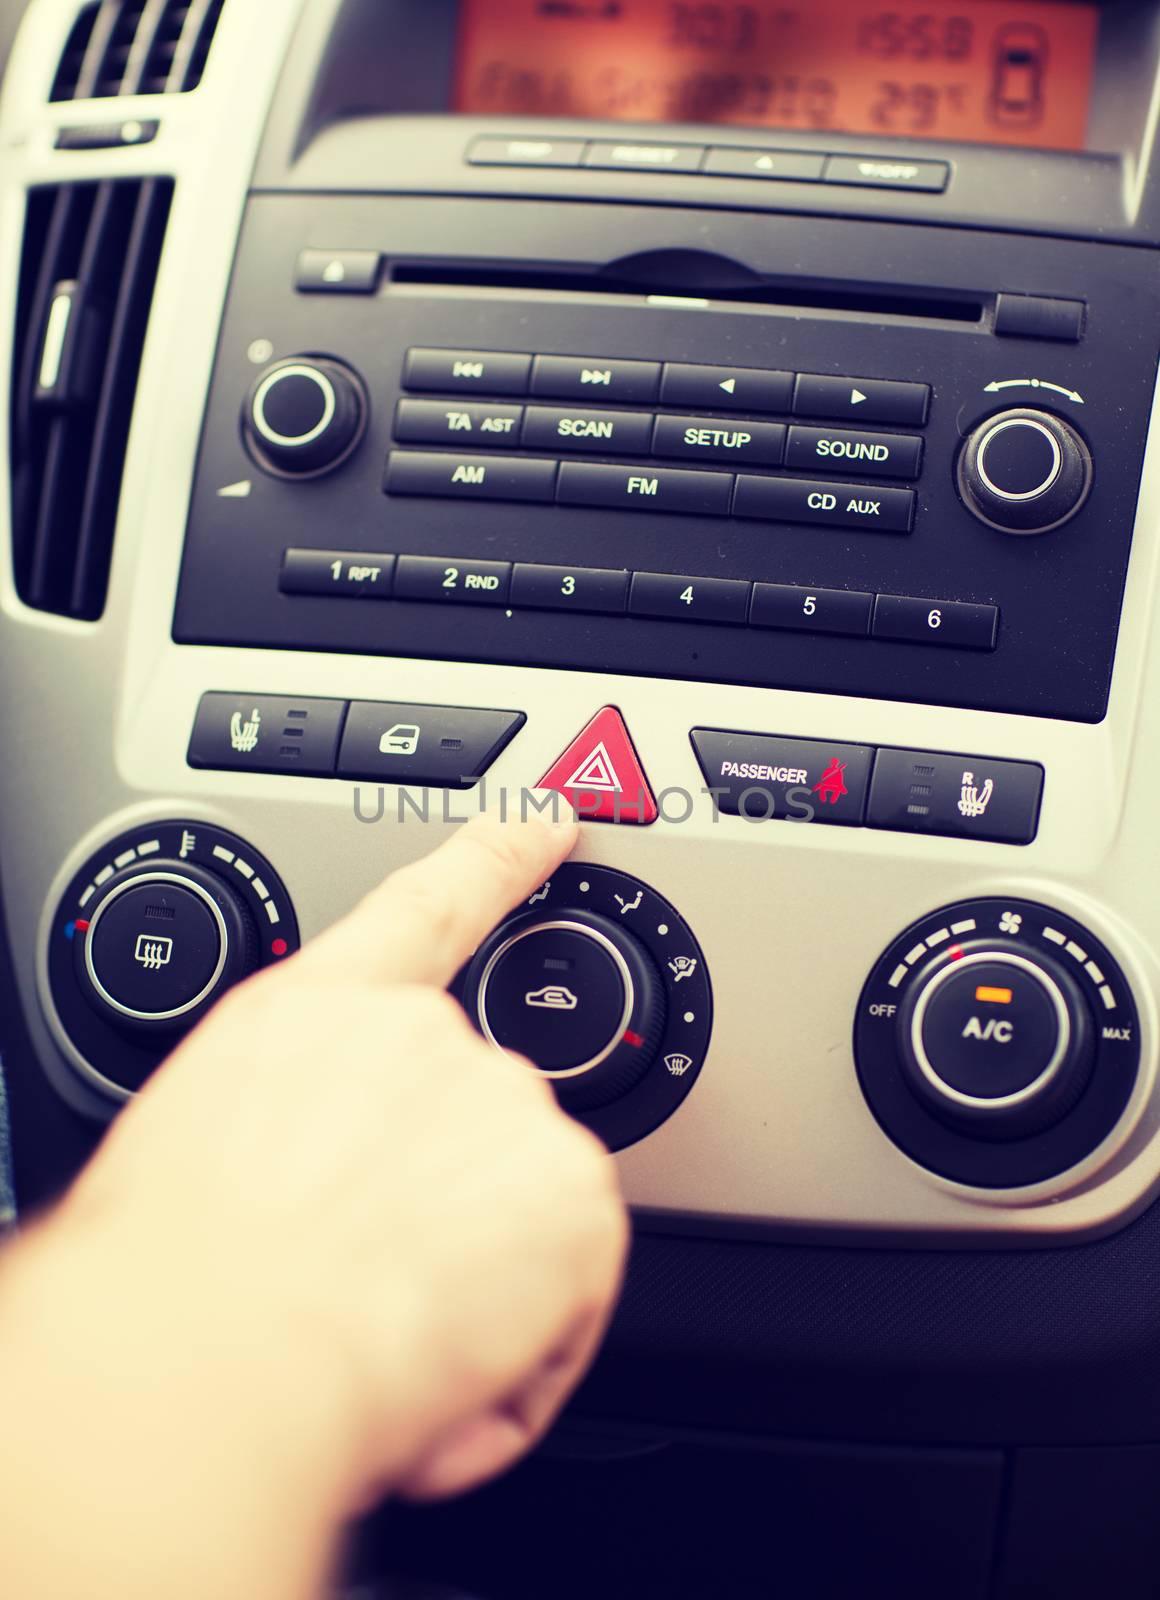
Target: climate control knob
x=304, y=416
x=996, y=1040
x=1024, y=472
x=163, y=943
x=600, y=984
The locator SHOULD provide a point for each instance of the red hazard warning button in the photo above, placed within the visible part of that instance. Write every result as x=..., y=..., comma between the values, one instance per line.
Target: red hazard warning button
x=601, y=776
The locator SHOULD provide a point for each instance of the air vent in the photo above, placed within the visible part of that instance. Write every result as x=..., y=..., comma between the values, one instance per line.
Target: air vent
x=91, y=253
x=122, y=47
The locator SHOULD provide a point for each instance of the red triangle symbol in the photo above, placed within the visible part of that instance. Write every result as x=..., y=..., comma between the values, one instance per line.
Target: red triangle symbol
x=601, y=775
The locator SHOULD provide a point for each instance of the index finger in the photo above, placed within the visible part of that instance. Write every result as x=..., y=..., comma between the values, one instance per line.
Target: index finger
x=424, y=921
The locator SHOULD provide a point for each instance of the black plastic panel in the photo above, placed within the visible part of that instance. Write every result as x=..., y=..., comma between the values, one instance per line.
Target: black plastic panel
x=1058, y=595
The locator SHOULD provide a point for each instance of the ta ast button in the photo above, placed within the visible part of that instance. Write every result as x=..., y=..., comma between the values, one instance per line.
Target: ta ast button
x=967, y=797
x=761, y=776
x=436, y=747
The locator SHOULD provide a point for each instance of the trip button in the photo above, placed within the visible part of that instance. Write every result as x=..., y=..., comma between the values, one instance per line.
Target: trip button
x=488, y=152
x=657, y=594
x=595, y=432
x=835, y=505
x=955, y=623
x=479, y=583
x=967, y=797
x=347, y=574
x=266, y=733
x=865, y=399
x=440, y=747
x=705, y=494
x=889, y=455
x=755, y=444
x=417, y=472
x=782, y=605
x=569, y=589
x=696, y=388
x=586, y=378
x=438, y=422
x=488, y=371
x=761, y=776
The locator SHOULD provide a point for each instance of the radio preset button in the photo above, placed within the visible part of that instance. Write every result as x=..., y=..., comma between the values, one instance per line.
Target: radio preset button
x=888, y=455
x=442, y=747
x=782, y=605
x=705, y=494
x=760, y=444
x=569, y=589
x=658, y=594
x=697, y=388
x=488, y=371
x=478, y=583
x=443, y=422
x=969, y=797
x=862, y=399
x=345, y=573
x=835, y=505
x=587, y=378
x=956, y=623
x=763, y=776
x=594, y=432
x=415, y=472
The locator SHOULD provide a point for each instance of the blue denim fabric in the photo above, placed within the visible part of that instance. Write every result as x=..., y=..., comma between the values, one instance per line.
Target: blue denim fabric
x=7, y=1193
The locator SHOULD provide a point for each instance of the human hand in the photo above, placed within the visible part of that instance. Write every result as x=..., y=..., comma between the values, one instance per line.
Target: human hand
x=406, y=1243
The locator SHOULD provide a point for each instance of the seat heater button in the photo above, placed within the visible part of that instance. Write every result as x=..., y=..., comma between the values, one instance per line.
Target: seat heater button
x=591, y=432
x=888, y=455
x=266, y=733
x=762, y=776
x=835, y=505
x=458, y=423
x=969, y=797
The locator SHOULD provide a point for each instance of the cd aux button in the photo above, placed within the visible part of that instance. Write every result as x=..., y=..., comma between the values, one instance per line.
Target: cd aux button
x=835, y=505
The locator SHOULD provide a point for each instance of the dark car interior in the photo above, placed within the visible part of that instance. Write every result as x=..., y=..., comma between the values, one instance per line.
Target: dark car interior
x=799, y=363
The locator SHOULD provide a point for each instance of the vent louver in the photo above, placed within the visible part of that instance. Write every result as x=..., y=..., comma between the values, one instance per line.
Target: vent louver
x=122, y=47
x=91, y=254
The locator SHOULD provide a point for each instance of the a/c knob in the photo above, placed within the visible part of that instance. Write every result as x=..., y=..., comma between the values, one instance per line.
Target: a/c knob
x=304, y=416
x=1024, y=472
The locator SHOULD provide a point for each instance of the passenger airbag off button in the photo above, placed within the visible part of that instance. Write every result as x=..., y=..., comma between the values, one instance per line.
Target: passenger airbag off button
x=763, y=776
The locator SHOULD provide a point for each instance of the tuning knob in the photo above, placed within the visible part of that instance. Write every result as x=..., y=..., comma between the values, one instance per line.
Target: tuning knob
x=1024, y=472
x=576, y=995
x=996, y=1039
x=161, y=944
x=304, y=416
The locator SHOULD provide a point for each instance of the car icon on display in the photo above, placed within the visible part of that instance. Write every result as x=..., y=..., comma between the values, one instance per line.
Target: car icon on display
x=401, y=740
x=552, y=998
x=1020, y=63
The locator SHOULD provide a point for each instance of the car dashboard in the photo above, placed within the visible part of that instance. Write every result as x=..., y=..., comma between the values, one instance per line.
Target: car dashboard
x=735, y=421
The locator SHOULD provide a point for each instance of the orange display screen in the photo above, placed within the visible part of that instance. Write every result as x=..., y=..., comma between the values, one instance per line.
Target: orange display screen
x=982, y=70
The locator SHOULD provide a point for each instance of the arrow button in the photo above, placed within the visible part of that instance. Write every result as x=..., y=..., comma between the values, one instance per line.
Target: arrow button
x=875, y=399
x=748, y=389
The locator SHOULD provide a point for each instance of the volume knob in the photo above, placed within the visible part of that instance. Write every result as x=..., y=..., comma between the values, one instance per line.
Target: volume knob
x=1024, y=472
x=304, y=416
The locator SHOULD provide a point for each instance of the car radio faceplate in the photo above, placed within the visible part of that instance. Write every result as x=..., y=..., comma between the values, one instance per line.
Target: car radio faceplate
x=637, y=460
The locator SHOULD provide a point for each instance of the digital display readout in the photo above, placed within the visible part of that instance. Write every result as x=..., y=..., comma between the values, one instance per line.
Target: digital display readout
x=981, y=70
